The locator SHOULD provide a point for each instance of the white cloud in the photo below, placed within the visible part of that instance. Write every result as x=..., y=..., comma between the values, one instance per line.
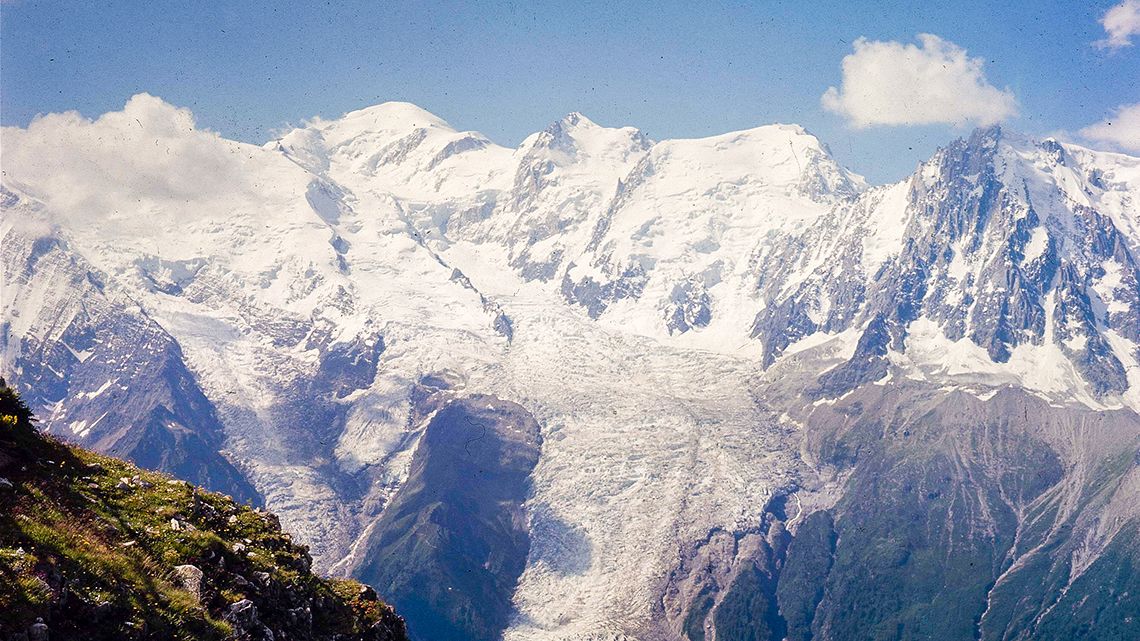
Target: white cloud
x=148, y=148
x=1122, y=129
x=1121, y=22
x=133, y=169
x=891, y=83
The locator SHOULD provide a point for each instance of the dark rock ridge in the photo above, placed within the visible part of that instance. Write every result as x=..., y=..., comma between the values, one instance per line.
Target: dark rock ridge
x=725, y=585
x=866, y=365
x=449, y=547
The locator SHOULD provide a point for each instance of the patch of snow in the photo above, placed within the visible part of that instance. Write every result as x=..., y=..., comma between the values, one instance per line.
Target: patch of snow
x=888, y=226
x=80, y=356
x=1038, y=243
x=1041, y=368
x=102, y=388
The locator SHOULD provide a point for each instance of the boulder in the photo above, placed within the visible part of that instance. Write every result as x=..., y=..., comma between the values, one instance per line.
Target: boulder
x=241, y=581
x=242, y=615
x=189, y=578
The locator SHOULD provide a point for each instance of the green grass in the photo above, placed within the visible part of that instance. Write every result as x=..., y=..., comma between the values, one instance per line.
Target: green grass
x=95, y=559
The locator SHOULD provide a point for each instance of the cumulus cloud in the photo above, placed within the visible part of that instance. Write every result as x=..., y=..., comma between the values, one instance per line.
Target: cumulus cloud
x=1121, y=130
x=136, y=167
x=891, y=83
x=149, y=148
x=1121, y=22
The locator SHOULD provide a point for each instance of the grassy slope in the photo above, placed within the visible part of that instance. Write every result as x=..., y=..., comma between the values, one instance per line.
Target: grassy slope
x=94, y=556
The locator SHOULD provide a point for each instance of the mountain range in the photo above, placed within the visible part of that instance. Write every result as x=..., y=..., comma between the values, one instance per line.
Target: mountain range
x=604, y=387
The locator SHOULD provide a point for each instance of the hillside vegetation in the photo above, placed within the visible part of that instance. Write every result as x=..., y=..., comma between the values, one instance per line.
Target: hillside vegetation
x=95, y=548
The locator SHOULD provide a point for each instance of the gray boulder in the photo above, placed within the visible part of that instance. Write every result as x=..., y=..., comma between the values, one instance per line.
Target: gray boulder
x=242, y=615
x=189, y=578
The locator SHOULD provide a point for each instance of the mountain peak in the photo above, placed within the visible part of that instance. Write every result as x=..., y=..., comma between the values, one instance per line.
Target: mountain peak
x=577, y=119
x=777, y=136
x=393, y=116
x=782, y=154
x=574, y=134
x=571, y=122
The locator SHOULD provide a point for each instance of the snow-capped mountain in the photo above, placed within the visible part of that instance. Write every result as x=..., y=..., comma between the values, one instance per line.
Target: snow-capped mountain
x=681, y=368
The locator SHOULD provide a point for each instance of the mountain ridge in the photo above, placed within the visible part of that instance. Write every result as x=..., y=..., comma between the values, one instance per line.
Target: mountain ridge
x=328, y=296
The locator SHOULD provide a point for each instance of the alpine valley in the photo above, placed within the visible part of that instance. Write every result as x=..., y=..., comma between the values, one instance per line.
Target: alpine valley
x=604, y=387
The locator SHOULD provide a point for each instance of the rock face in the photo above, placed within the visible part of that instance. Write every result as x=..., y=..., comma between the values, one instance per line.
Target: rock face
x=449, y=548
x=725, y=586
x=717, y=341
x=242, y=615
x=38, y=631
x=988, y=251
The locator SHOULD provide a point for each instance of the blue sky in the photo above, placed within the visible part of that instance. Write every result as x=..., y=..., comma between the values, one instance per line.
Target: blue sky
x=249, y=69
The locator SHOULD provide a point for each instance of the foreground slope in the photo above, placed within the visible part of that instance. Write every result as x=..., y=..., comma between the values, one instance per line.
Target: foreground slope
x=95, y=548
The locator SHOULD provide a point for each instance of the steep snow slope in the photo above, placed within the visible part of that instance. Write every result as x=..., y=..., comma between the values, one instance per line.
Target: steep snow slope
x=281, y=297
x=628, y=294
x=674, y=250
